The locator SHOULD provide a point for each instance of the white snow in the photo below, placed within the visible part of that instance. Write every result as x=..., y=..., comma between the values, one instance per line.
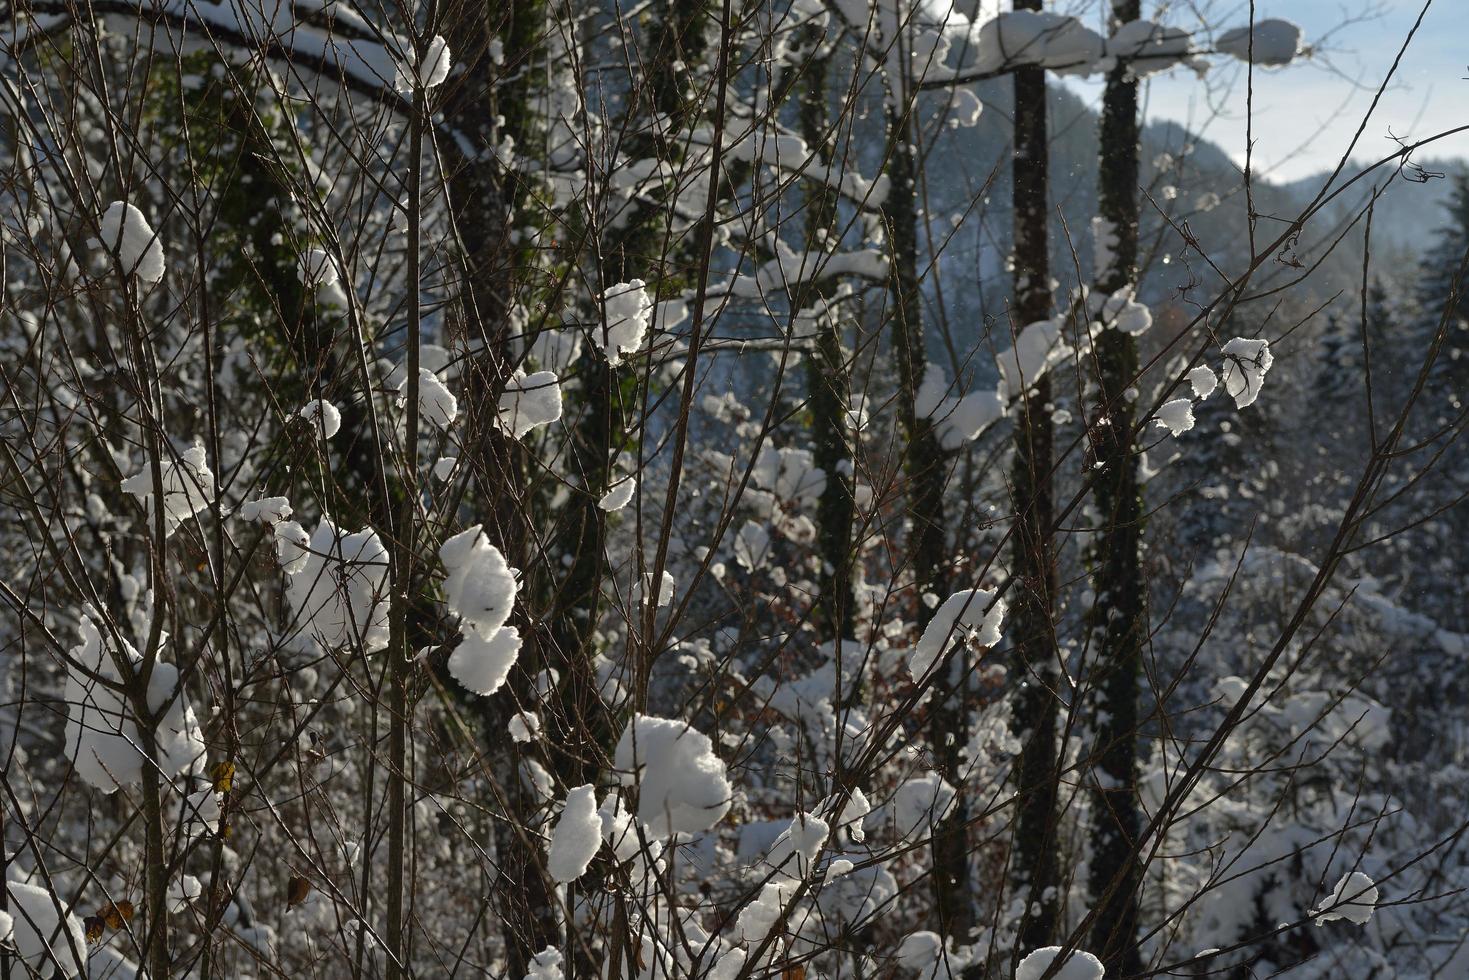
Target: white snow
x=188, y=486
x=1246, y=362
x=481, y=665
x=1204, y=381
x=546, y=965
x=1038, y=346
x=1353, y=899
x=1104, y=247
x=791, y=474
x=968, y=417
x=665, y=588
x=125, y=233
x=45, y=941
x=921, y=802
x=316, y=268
x=1124, y=314
x=577, y=837
x=751, y=545
x=682, y=784
x=964, y=617
x=1080, y=965
x=339, y=596
x=524, y=726
x=1276, y=42
x=444, y=468
x=760, y=915
x=102, y=735
x=428, y=73
x=480, y=588
x=292, y=546
x=1029, y=37
x=854, y=811
x=269, y=510
x=183, y=891
x=529, y=401
x=1149, y=48
x=436, y=403
x=794, y=851
x=1177, y=416
x=330, y=418
x=619, y=495
x=629, y=308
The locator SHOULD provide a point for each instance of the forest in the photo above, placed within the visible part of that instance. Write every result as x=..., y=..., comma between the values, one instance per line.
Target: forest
x=728, y=489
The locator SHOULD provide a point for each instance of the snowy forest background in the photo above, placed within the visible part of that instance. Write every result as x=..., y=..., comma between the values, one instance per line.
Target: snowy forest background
x=720, y=489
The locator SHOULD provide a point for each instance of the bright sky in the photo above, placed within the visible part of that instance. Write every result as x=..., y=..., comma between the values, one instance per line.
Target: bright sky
x=1305, y=114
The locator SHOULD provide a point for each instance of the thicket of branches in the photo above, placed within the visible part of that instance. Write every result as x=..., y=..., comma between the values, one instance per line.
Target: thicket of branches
x=550, y=489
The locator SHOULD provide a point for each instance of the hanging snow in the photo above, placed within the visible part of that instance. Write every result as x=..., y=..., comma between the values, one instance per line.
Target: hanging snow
x=1354, y=899
x=480, y=587
x=682, y=786
x=629, y=308
x=188, y=486
x=1080, y=965
x=1276, y=42
x=125, y=233
x=323, y=416
x=577, y=836
x=340, y=594
x=529, y=401
x=481, y=665
x=964, y=617
x=1245, y=365
x=1177, y=416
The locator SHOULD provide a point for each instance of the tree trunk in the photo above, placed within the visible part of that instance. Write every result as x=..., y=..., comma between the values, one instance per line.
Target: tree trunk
x=1032, y=627
x=829, y=388
x=925, y=465
x=1119, y=616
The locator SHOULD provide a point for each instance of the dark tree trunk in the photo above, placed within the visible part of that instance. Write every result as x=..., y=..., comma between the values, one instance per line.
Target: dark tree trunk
x=1119, y=617
x=1032, y=628
x=925, y=465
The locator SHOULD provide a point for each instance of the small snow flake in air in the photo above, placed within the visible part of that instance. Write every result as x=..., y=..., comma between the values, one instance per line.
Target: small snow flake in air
x=125, y=233
x=1354, y=899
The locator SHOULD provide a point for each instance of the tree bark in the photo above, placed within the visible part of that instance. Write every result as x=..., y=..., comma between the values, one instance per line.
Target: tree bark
x=1118, y=619
x=1032, y=626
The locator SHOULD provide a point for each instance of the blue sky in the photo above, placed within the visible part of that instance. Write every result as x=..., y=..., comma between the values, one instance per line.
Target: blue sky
x=1305, y=115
